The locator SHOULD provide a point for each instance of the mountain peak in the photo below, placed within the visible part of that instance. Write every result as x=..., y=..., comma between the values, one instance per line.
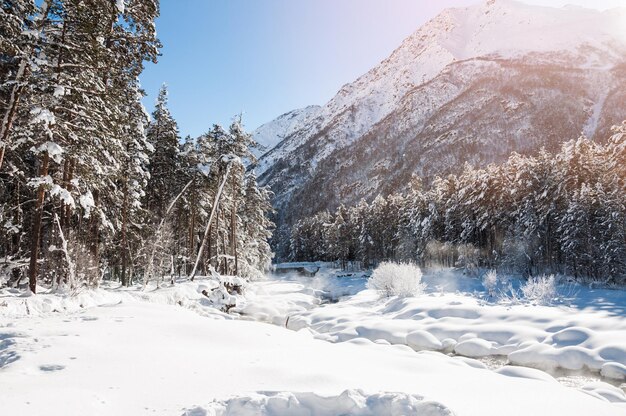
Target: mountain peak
x=451, y=63
x=499, y=3
x=510, y=28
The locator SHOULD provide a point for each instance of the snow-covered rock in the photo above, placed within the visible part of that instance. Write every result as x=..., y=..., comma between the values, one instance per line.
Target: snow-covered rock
x=614, y=370
x=422, y=340
x=475, y=347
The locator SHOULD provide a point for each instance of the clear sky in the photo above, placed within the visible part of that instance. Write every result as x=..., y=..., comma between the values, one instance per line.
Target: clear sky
x=263, y=58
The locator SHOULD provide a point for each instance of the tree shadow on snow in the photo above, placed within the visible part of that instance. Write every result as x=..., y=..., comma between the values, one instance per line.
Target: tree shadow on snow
x=8, y=354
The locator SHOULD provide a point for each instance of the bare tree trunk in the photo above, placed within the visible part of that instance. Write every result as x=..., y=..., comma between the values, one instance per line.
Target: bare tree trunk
x=124, y=241
x=224, y=259
x=209, y=250
x=36, y=227
x=71, y=266
x=66, y=168
x=218, y=195
x=95, y=240
x=192, y=227
x=217, y=239
x=233, y=236
x=68, y=209
x=17, y=219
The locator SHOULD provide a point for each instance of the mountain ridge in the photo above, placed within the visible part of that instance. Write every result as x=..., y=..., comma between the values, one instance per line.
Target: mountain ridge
x=456, y=41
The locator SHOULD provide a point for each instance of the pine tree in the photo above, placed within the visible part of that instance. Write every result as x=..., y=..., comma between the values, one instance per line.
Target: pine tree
x=256, y=228
x=164, y=138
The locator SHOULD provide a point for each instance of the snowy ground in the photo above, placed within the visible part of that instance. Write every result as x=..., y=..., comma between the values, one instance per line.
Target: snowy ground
x=584, y=330
x=167, y=351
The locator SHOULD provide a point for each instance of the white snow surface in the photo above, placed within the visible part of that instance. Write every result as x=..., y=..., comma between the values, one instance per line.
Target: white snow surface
x=116, y=351
x=350, y=402
x=272, y=133
x=586, y=331
x=121, y=7
x=52, y=148
x=87, y=203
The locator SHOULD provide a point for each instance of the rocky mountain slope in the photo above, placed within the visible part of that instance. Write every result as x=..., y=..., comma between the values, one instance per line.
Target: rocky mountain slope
x=271, y=134
x=472, y=85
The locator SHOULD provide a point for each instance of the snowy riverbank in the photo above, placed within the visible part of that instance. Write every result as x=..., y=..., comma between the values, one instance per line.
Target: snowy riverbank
x=168, y=351
x=584, y=331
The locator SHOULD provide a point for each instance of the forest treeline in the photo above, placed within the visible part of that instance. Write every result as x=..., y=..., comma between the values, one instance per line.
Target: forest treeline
x=93, y=187
x=548, y=213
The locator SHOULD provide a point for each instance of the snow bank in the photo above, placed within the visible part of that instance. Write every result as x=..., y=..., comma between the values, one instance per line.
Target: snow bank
x=605, y=391
x=350, y=402
x=17, y=304
x=453, y=316
x=90, y=357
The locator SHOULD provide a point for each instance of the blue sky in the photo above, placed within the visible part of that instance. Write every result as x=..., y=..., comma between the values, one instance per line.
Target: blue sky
x=266, y=57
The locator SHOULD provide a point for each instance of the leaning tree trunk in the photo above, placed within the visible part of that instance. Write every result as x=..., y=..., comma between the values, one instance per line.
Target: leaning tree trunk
x=36, y=226
x=192, y=234
x=233, y=236
x=218, y=195
x=159, y=230
x=217, y=239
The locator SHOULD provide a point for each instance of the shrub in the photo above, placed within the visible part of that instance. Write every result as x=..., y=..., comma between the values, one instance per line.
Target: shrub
x=393, y=279
x=490, y=282
x=540, y=290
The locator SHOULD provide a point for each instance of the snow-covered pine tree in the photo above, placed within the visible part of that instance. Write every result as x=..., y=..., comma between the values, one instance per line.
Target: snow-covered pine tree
x=132, y=219
x=557, y=213
x=185, y=215
x=164, y=137
x=237, y=148
x=337, y=234
x=20, y=31
x=71, y=110
x=256, y=229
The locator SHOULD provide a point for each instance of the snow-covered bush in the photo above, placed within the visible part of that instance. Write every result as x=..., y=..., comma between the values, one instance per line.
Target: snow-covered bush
x=540, y=290
x=490, y=282
x=468, y=257
x=393, y=279
x=228, y=294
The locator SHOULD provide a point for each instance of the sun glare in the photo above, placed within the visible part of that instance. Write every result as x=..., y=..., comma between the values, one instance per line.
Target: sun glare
x=621, y=23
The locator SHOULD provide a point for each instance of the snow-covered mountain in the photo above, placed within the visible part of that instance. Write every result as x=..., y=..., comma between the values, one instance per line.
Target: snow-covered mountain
x=473, y=84
x=271, y=134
